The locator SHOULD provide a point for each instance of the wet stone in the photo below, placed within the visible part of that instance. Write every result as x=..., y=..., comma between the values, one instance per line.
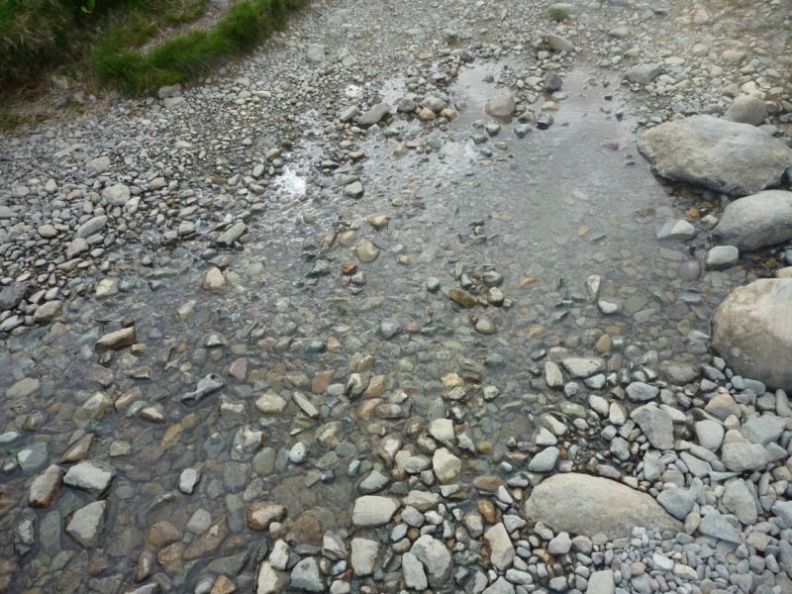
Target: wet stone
x=45, y=487
x=373, y=510
x=306, y=576
x=87, y=524
x=33, y=457
x=188, y=479
x=91, y=476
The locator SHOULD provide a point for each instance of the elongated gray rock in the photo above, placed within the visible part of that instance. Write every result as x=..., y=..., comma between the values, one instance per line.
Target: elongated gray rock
x=586, y=505
x=752, y=331
x=738, y=159
x=757, y=221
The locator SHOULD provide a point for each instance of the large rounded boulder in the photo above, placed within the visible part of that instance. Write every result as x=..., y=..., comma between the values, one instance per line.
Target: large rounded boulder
x=757, y=221
x=737, y=159
x=752, y=331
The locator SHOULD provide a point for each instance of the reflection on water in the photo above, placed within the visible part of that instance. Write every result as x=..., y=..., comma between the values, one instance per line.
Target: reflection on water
x=542, y=212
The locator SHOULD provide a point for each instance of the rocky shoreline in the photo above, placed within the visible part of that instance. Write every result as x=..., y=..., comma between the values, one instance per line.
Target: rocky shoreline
x=369, y=312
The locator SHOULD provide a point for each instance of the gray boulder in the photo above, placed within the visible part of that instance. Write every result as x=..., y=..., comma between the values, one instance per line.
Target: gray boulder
x=757, y=221
x=752, y=330
x=747, y=110
x=737, y=159
x=583, y=504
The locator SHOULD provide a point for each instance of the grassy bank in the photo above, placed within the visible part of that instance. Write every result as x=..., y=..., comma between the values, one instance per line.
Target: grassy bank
x=104, y=39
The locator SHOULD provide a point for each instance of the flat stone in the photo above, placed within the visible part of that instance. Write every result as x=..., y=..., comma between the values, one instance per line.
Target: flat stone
x=756, y=221
x=601, y=582
x=677, y=501
x=305, y=576
x=117, y=194
x=583, y=504
x=261, y=514
x=87, y=524
x=214, y=281
x=656, y=424
x=363, y=555
x=545, y=460
x=374, y=115
x=641, y=391
x=716, y=525
x=722, y=256
x=413, y=572
x=501, y=549
x=737, y=159
x=118, y=339
x=446, y=466
x=45, y=487
x=88, y=475
x=583, y=367
x=435, y=557
x=232, y=234
x=47, y=312
x=643, y=74
x=24, y=388
x=709, y=434
x=209, y=541
x=96, y=166
x=373, y=510
x=92, y=226
x=269, y=580
x=678, y=230
x=11, y=295
x=739, y=456
x=739, y=499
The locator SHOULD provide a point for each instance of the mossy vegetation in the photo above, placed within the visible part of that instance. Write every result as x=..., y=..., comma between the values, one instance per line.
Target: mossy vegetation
x=130, y=45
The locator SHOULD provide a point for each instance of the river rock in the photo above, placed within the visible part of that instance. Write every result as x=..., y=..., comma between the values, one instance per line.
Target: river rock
x=363, y=555
x=501, y=106
x=746, y=109
x=737, y=159
x=91, y=476
x=118, y=339
x=117, y=194
x=757, y=221
x=643, y=74
x=501, y=548
x=87, y=523
x=45, y=487
x=436, y=558
x=656, y=424
x=447, y=467
x=414, y=574
x=270, y=580
x=373, y=510
x=752, y=331
x=374, y=115
x=584, y=504
x=305, y=576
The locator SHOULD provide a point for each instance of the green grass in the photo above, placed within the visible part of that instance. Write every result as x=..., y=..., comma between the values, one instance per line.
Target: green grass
x=104, y=37
x=192, y=55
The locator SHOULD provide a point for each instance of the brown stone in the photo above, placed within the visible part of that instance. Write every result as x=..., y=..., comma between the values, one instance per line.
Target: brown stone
x=170, y=558
x=238, y=369
x=376, y=386
x=215, y=281
x=321, y=380
x=209, y=541
x=46, y=486
x=119, y=339
x=348, y=268
x=223, y=585
x=260, y=515
x=144, y=565
x=488, y=483
x=307, y=529
x=161, y=534
x=462, y=297
x=79, y=449
x=488, y=511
